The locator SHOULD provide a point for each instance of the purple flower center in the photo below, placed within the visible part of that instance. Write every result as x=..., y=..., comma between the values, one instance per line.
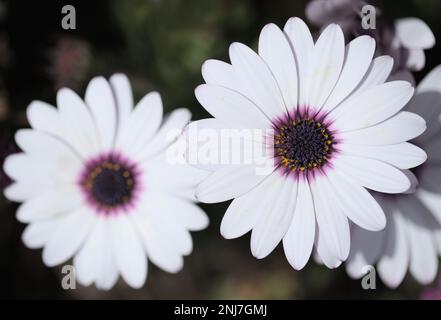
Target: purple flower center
x=303, y=142
x=109, y=182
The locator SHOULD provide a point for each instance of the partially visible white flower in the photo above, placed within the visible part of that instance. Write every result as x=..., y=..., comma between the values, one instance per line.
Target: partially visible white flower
x=411, y=240
x=96, y=186
x=404, y=39
x=336, y=130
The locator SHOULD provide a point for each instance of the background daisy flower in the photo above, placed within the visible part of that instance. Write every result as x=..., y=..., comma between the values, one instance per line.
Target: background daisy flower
x=405, y=39
x=411, y=240
x=96, y=185
x=337, y=130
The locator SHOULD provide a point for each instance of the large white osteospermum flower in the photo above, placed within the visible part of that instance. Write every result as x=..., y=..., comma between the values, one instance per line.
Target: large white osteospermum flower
x=411, y=239
x=337, y=130
x=96, y=185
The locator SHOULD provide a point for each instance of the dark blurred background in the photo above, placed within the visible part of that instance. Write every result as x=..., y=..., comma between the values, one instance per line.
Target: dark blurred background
x=160, y=45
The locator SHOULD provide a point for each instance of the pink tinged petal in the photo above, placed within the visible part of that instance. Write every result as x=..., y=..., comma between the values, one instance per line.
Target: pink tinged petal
x=43, y=117
x=373, y=174
x=414, y=33
x=256, y=80
x=228, y=183
x=95, y=261
x=129, y=253
x=276, y=217
x=100, y=99
x=79, y=129
x=377, y=73
x=68, y=236
x=50, y=203
x=421, y=228
x=356, y=202
x=372, y=106
x=324, y=66
x=302, y=45
x=324, y=254
x=276, y=51
x=366, y=248
x=299, y=239
x=402, y=155
x=359, y=53
x=231, y=107
x=37, y=234
x=400, y=128
x=142, y=125
x=393, y=264
x=333, y=224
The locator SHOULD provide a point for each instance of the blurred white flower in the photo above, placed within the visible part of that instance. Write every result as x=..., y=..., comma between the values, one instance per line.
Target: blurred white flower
x=405, y=40
x=411, y=239
x=96, y=185
x=337, y=130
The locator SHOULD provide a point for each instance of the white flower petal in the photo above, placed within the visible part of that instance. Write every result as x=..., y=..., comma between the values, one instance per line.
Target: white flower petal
x=431, y=199
x=50, y=203
x=324, y=66
x=43, y=117
x=356, y=202
x=302, y=45
x=129, y=253
x=276, y=51
x=38, y=233
x=402, y=155
x=276, y=218
x=372, y=106
x=377, y=74
x=161, y=249
x=99, y=97
x=228, y=183
x=400, y=128
x=359, y=53
x=324, y=254
x=142, y=125
x=256, y=80
x=414, y=33
x=124, y=100
x=68, y=236
x=231, y=107
x=95, y=261
x=393, y=264
x=416, y=59
x=366, y=248
x=299, y=239
x=333, y=224
x=77, y=122
x=244, y=211
x=168, y=133
x=420, y=228
x=373, y=174
x=220, y=73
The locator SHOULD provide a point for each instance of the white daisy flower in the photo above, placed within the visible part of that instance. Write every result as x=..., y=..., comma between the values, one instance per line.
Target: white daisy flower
x=96, y=186
x=337, y=130
x=411, y=240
